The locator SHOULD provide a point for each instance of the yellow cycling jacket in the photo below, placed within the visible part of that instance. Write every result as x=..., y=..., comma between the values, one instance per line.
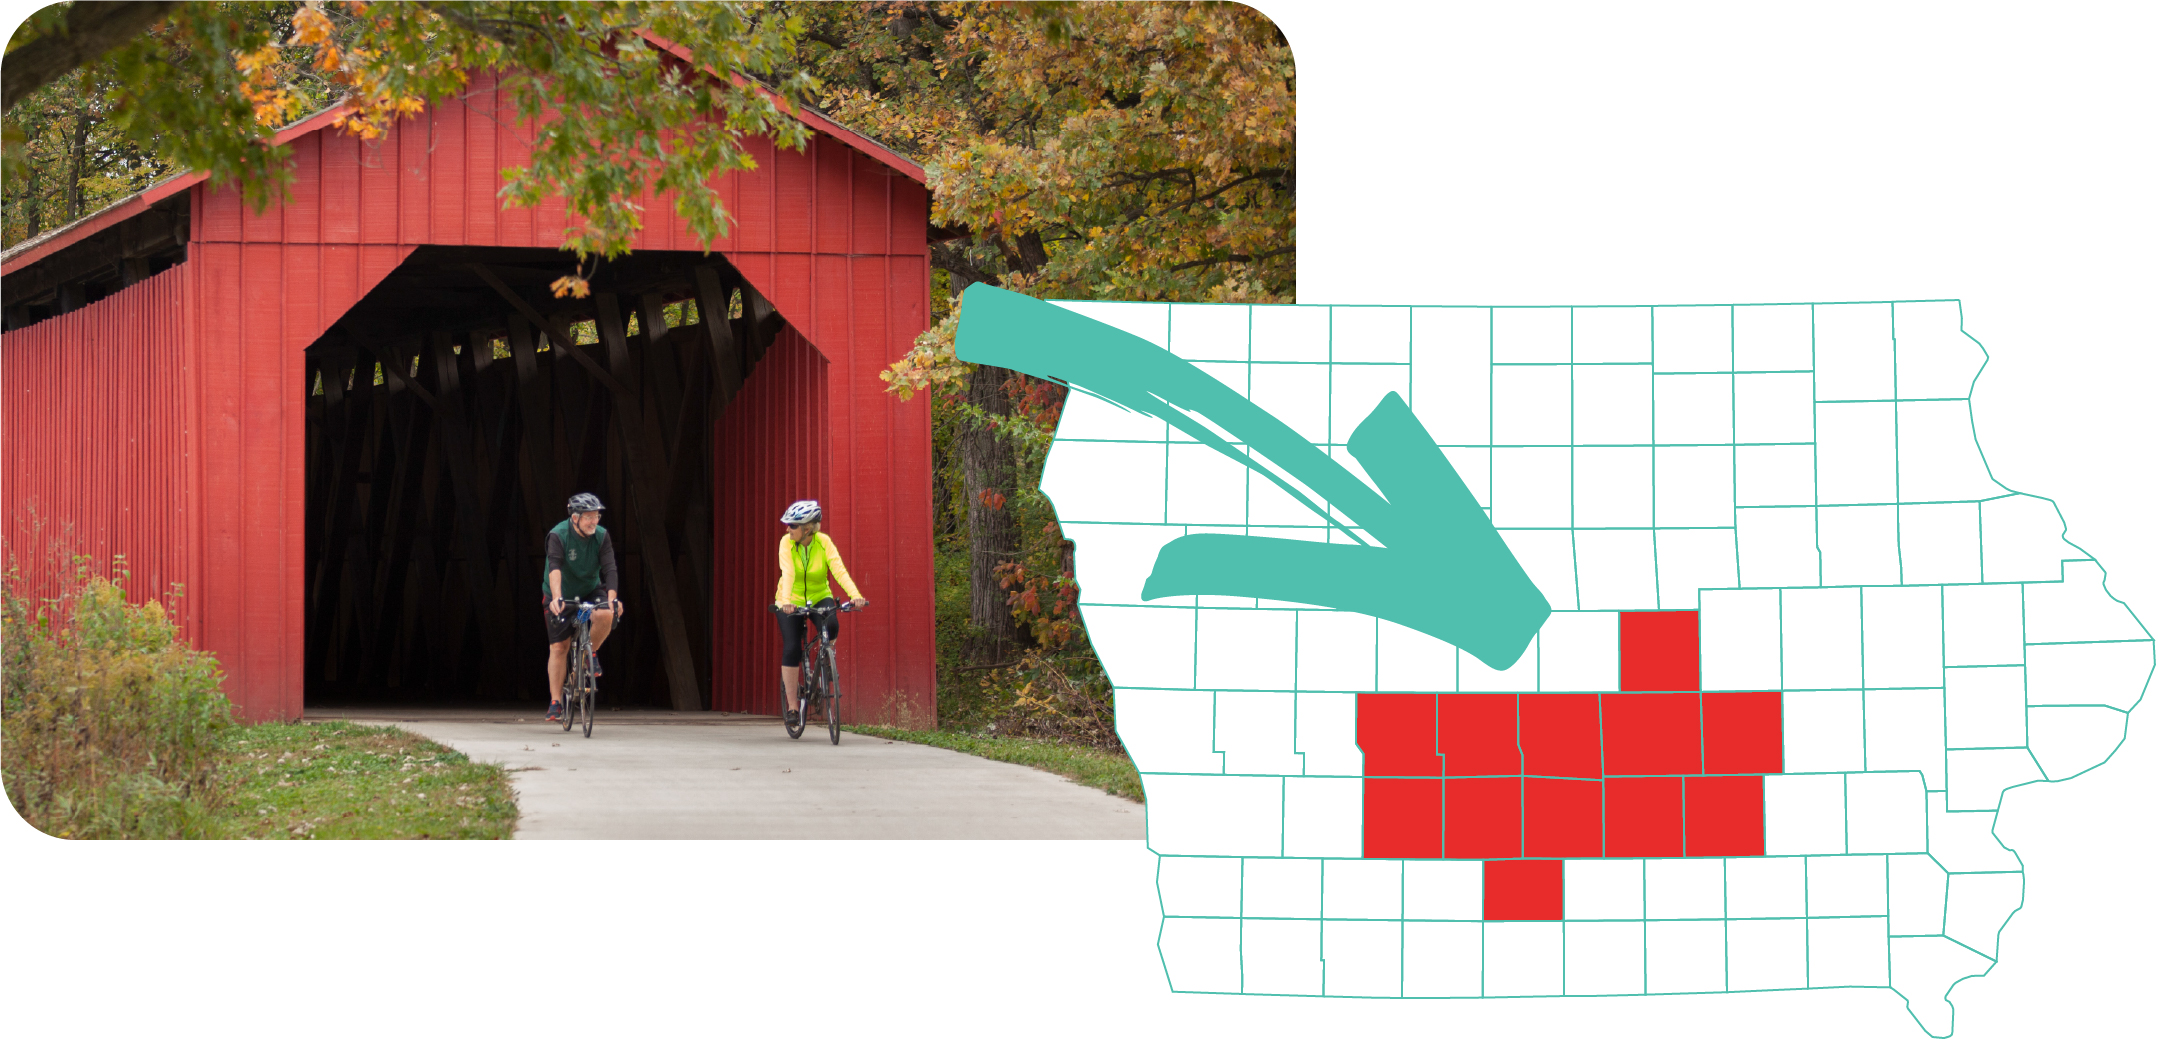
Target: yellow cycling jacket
x=803, y=571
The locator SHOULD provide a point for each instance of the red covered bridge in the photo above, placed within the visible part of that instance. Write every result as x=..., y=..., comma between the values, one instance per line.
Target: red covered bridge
x=342, y=425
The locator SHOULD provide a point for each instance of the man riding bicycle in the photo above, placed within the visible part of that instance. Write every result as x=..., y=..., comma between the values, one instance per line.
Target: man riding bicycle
x=580, y=563
x=808, y=560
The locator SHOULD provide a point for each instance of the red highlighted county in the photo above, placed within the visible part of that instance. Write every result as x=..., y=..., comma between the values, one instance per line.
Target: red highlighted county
x=1657, y=768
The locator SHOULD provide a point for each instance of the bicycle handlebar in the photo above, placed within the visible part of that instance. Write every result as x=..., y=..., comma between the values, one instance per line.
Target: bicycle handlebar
x=848, y=606
x=581, y=610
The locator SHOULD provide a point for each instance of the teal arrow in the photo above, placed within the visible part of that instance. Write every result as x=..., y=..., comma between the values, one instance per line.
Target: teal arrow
x=1437, y=567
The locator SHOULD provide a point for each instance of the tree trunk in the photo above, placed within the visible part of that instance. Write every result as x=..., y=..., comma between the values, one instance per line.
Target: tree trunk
x=33, y=200
x=940, y=492
x=78, y=148
x=92, y=29
x=1032, y=255
x=993, y=538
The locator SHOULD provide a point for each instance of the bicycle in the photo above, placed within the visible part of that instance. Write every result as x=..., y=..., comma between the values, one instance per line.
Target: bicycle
x=820, y=674
x=580, y=688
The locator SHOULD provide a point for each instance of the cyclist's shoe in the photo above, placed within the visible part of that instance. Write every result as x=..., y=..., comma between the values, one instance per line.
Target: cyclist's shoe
x=794, y=718
x=596, y=670
x=554, y=711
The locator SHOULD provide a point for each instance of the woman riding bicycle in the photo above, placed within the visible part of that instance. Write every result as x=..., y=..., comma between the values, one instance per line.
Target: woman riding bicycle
x=807, y=561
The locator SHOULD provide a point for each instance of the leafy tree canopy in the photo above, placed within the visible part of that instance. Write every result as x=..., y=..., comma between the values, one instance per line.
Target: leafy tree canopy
x=612, y=111
x=1141, y=151
x=1125, y=151
x=1135, y=151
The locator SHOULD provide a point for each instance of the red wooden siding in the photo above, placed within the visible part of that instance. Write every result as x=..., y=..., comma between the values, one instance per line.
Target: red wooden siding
x=776, y=444
x=835, y=239
x=94, y=409
x=771, y=449
x=256, y=307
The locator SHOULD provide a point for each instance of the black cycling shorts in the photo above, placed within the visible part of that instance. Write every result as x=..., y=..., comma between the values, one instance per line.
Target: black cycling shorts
x=793, y=626
x=563, y=626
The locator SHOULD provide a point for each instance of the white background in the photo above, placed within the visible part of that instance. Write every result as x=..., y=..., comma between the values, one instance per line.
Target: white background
x=1485, y=153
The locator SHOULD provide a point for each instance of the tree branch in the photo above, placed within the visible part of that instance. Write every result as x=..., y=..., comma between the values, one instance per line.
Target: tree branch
x=1255, y=175
x=1233, y=258
x=93, y=28
x=955, y=260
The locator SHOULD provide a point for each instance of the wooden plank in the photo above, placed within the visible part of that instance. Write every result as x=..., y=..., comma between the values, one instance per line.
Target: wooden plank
x=761, y=323
x=469, y=518
x=637, y=428
x=303, y=211
x=690, y=495
x=344, y=412
x=409, y=435
x=662, y=387
x=696, y=607
x=687, y=454
x=557, y=328
x=508, y=521
x=340, y=188
x=576, y=398
x=435, y=544
x=536, y=461
x=413, y=145
x=395, y=360
x=420, y=622
x=472, y=402
x=729, y=365
x=360, y=611
x=329, y=616
x=481, y=207
x=503, y=515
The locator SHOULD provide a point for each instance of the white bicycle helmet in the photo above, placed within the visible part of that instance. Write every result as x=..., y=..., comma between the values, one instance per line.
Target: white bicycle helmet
x=584, y=502
x=802, y=513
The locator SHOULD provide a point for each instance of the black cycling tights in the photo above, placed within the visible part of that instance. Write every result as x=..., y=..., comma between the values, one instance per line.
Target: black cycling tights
x=792, y=626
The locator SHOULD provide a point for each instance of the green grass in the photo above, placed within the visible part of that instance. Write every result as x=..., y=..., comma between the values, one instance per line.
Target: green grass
x=1094, y=768
x=342, y=780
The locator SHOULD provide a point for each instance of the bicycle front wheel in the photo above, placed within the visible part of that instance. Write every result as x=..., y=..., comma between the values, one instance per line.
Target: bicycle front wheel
x=579, y=702
x=589, y=699
x=831, y=694
x=571, y=684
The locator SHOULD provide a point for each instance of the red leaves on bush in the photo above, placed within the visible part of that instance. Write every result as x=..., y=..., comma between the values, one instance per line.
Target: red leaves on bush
x=1048, y=605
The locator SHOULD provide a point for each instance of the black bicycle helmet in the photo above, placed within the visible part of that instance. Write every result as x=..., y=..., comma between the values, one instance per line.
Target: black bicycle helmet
x=584, y=502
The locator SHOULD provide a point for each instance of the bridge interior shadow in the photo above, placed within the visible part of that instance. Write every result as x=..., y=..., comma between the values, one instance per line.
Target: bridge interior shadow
x=451, y=414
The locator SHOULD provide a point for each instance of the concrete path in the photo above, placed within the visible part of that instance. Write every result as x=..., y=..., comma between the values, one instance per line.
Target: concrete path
x=663, y=775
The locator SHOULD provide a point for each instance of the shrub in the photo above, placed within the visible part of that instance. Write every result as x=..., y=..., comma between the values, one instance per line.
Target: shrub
x=109, y=724
x=1052, y=697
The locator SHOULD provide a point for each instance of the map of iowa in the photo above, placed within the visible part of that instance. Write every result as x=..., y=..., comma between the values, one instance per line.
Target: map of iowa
x=1475, y=652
